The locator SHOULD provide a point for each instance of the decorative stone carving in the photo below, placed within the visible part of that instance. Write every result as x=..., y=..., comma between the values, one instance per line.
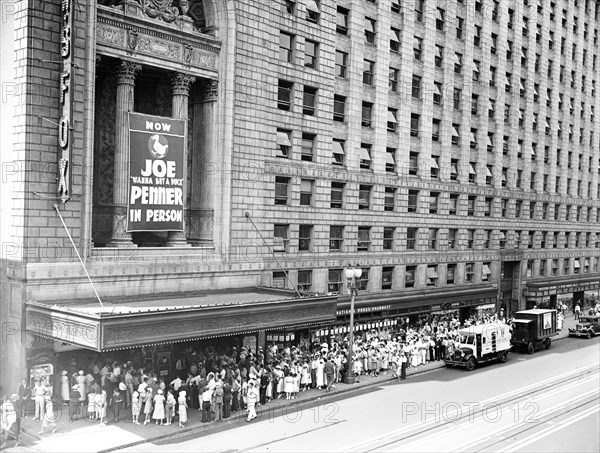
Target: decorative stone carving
x=110, y=35
x=211, y=91
x=181, y=83
x=126, y=72
x=160, y=9
x=132, y=40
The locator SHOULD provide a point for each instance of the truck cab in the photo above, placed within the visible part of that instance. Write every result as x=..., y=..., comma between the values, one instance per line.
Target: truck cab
x=480, y=344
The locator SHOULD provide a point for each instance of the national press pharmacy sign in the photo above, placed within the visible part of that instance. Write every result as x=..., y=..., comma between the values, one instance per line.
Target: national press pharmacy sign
x=156, y=173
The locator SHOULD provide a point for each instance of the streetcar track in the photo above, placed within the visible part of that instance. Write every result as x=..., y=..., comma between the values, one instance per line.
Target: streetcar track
x=559, y=381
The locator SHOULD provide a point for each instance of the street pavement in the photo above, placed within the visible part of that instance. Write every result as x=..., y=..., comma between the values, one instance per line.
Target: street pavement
x=321, y=407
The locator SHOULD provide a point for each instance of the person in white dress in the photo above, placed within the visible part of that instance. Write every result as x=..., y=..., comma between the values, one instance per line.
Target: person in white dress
x=65, y=388
x=182, y=409
x=320, y=374
x=159, y=407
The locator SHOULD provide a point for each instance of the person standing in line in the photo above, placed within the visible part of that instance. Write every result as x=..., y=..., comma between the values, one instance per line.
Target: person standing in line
x=252, y=400
x=218, y=401
x=75, y=404
x=24, y=394
x=48, y=417
x=135, y=406
x=39, y=393
x=147, y=405
x=206, y=401
x=235, y=394
x=329, y=370
x=102, y=403
x=64, y=388
x=159, y=407
x=182, y=408
x=227, y=398
x=116, y=402
x=403, y=365
x=170, y=407
x=577, y=311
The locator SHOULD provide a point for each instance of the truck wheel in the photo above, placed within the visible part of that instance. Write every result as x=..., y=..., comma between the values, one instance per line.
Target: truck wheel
x=470, y=366
x=588, y=335
x=503, y=357
x=530, y=347
x=547, y=343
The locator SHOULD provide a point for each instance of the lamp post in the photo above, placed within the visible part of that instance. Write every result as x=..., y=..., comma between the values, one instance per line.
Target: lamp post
x=351, y=275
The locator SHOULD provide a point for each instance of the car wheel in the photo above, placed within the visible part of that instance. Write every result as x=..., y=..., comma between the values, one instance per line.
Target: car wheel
x=503, y=357
x=470, y=364
x=588, y=335
x=530, y=347
x=547, y=343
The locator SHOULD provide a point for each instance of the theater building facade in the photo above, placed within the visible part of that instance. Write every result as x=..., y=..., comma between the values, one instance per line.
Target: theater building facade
x=178, y=171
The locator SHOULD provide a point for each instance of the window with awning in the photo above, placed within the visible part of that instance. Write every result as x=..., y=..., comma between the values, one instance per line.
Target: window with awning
x=283, y=144
x=457, y=59
x=576, y=264
x=490, y=142
x=488, y=172
x=311, y=5
x=391, y=117
x=473, y=136
x=431, y=272
x=486, y=270
x=475, y=66
x=434, y=162
x=365, y=154
x=521, y=85
x=472, y=170
x=389, y=159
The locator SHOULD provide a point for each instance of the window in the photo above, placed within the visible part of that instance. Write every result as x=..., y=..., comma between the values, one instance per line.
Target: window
x=439, y=19
x=432, y=276
x=504, y=182
x=492, y=81
x=281, y=190
x=339, y=108
x=458, y=62
x=411, y=238
x=450, y=274
x=306, y=192
x=341, y=63
x=471, y=205
x=311, y=50
x=390, y=160
x=284, y=95
x=413, y=163
x=474, y=104
x=414, y=124
x=279, y=280
x=469, y=272
x=435, y=131
x=388, y=238
x=312, y=11
x=418, y=48
x=457, y=95
x=477, y=36
x=454, y=169
x=410, y=276
x=290, y=6
x=389, y=201
x=490, y=142
x=518, y=208
x=393, y=79
x=280, y=238
x=336, y=238
x=487, y=206
x=342, y=21
x=334, y=281
x=416, y=86
x=387, y=275
x=472, y=172
x=395, y=7
x=453, y=204
x=368, y=70
x=434, y=169
x=486, y=272
x=304, y=237
x=456, y=134
x=307, y=151
x=284, y=144
x=364, y=196
x=367, y=109
x=508, y=85
x=364, y=239
x=432, y=238
x=370, y=30
x=285, y=47
x=337, y=194
x=309, y=101
x=433, y=202
x=439, y=56
x=494, y=47
x=437, y=93
x=460, y=25
x=413, y=199
x=395, y=40
x=452, y=234
x=392, y=121
x=304, y=281
x=419, y=6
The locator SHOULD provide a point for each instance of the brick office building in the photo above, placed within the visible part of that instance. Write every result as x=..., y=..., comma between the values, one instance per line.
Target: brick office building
x=450, y=149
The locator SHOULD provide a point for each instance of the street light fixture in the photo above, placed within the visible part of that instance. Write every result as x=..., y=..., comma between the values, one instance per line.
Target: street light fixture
x=352, y=274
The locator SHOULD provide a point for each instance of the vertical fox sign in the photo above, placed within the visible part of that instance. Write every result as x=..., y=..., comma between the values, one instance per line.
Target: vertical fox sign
x=156, y=173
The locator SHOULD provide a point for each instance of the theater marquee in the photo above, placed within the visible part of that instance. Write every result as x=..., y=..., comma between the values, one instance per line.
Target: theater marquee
x=156, y=173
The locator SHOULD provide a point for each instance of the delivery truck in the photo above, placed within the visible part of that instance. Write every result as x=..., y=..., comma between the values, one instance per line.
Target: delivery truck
x=533, y=328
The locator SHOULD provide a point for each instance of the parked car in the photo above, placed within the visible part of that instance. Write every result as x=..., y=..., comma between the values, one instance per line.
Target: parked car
x=587, y=326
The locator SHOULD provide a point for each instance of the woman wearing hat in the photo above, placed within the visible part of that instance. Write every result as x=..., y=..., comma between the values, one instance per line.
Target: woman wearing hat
x=64, y=388
x=159, y=407
x=182, y=408
x=252, y=399
x=147, y=405
x=135, y=407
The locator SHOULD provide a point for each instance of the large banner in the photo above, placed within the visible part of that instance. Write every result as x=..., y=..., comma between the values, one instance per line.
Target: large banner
x=156, y=173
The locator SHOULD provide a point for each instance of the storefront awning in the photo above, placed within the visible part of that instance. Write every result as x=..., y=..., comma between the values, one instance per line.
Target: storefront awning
x=132, y=322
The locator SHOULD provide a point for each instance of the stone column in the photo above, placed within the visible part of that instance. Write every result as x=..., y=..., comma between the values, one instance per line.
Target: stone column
x=181, y=92
x=125, y=84
x=205, y=164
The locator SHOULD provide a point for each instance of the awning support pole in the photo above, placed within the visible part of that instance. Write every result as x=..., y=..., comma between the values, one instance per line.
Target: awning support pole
x=247, y=214
x=77, y=252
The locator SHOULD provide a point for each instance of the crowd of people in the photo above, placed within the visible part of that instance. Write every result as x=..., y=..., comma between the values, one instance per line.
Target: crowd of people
x=221, y=382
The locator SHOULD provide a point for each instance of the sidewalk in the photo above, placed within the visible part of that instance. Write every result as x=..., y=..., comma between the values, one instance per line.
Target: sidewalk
x=88, y=436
